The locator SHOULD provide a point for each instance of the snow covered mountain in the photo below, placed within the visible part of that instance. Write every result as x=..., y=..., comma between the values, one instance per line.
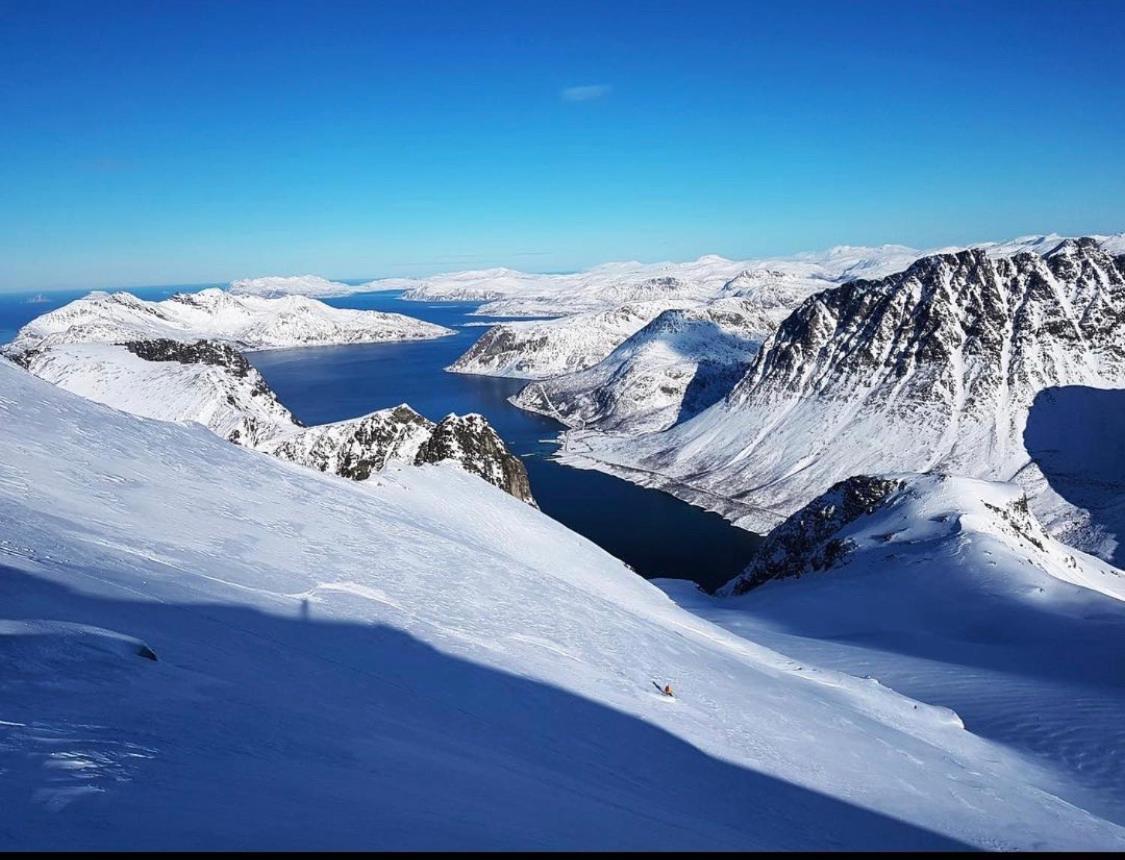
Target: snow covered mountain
x=421, y=662
x=274, y=286
x=356, y=448
x=935, y=368
x=508, y=293
x=949, y=590
x=676, y=366
x=542, y=349
x=170, y=380
x=246, y=322
x=884, y=517
x=360, y=447
x=211, y=383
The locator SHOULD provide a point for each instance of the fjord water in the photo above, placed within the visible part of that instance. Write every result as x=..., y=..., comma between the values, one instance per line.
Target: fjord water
x=658, y=535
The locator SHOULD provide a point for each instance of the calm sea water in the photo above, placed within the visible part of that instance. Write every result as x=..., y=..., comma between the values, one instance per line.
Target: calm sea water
x=658, y=535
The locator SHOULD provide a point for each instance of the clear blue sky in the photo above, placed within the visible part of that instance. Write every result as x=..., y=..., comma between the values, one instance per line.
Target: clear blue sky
x=176, y=142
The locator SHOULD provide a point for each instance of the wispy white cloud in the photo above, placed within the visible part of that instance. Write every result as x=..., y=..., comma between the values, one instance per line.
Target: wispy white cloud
x=585, y=93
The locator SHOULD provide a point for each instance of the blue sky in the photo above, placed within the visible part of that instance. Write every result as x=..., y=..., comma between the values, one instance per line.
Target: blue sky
x=179, y=142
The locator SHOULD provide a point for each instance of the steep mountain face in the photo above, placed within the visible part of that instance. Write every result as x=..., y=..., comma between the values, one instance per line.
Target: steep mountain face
x=246, y=322
x=931, y=369
x=417, y=663
x=360, y=447
x=206, y=382
x=471, y=443
x=676, y=366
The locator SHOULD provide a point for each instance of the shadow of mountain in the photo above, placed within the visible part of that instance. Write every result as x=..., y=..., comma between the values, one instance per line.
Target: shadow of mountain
x=712, y=382
x=255, y=730
x=1076, y=435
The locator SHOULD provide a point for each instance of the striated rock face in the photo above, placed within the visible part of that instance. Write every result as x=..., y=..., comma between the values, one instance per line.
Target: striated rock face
x=809, y=540
x=954, y=327
x=472, y=443
x=934, y=368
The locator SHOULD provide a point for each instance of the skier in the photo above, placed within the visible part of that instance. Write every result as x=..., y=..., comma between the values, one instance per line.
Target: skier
x=667, y=691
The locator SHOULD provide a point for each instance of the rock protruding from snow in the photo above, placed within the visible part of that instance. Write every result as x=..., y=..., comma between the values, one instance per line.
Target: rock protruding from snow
x=809, y=539
x=676, y=366
x=894, y=523
x=472, y=443
x=246, y=322
x=211, y=383
x=359, y=447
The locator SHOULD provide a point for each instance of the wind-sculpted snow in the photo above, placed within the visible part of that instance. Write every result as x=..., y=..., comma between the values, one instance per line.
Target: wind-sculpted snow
x=417, y=661
x=676, y=366
x=950, y=590
x=933, y=368
x=246, y=322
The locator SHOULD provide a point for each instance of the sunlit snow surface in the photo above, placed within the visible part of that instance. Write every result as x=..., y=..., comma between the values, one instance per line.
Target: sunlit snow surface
x=418, y=661
x=955, y=597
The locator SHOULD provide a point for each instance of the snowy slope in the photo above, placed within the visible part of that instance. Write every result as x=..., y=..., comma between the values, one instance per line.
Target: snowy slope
x=949, y=590
x=205, y=382
x=247, y=322
x=416, y=662
x=674, y=367
x=935, y=368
